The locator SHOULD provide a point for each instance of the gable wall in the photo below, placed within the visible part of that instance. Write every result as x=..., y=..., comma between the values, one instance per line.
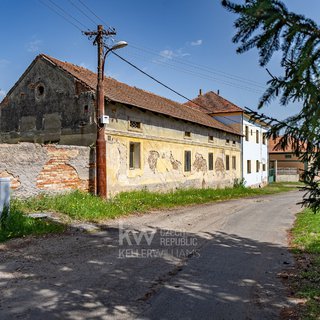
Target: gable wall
x=45, y=106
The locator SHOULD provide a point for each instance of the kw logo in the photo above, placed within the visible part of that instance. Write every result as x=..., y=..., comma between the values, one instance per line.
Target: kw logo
x=131, y=237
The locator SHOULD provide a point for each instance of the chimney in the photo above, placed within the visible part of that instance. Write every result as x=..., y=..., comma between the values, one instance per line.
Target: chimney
x=200, y=92
x=218, y=92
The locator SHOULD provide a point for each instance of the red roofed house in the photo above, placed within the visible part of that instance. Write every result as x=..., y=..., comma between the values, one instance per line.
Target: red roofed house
x=152, y=142
x=254, y=155
x=285, y=163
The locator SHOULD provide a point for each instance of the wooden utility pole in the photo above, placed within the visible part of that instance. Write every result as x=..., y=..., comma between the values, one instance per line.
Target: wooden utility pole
x=101, y=152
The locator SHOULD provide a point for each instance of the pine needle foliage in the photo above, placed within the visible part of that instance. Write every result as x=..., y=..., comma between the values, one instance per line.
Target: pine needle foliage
x=270, y=27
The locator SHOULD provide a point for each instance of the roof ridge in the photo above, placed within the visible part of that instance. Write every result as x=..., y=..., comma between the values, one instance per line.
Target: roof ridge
x=123, y=93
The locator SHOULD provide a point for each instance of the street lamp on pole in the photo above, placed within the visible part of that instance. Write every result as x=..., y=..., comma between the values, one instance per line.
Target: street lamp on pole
x=101, y=152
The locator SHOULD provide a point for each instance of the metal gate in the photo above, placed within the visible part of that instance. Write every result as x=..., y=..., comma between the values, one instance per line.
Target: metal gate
x=272, y=175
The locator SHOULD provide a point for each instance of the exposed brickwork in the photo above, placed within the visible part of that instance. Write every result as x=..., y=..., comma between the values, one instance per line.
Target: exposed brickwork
x=57, y=175
x=14, y=181
x=35, y=168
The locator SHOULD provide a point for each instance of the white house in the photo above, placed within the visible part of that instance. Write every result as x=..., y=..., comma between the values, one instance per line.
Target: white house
x=254, y=153
x=254, y=159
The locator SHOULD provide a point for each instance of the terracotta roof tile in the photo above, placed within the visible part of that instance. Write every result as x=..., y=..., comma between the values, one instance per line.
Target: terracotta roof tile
x=211, y=103
x=123, y=93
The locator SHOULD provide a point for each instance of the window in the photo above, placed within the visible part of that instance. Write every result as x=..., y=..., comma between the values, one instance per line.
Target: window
x=288, y=156
x=187, y=161
x=234, y=162
x=263, y=167
x=134, y=158
x=227, y=163
x=210, y=138
x=257, y=165
x=233, y=142
x=187, y=134
x=251, y=132
x=247, y=133
x=134, y=125
x=257, y=136
x=248, y=166
x=210, y=161
x=264, y=138
x=227, y=141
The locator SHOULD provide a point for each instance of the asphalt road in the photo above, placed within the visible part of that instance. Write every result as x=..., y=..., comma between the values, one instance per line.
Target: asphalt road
x=215, y=261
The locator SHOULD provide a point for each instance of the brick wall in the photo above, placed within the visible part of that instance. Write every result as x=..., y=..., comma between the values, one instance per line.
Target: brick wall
x=35, y=168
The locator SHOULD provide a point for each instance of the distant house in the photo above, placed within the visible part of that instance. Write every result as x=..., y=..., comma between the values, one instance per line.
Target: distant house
x=285, y=164
x=254, y=155
x=152, y=142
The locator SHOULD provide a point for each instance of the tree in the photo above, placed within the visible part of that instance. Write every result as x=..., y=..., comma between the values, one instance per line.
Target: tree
x=269, y=26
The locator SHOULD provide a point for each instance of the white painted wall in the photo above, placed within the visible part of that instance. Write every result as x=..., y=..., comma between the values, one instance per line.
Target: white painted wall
x=255, y=152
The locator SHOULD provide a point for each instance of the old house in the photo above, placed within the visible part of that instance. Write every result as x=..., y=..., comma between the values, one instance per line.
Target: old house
x=254, y=155
x=285, y=165
x=152, y=142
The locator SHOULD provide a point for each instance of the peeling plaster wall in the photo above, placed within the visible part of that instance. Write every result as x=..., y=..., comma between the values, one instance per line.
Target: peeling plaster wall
x=35, y=168
x=162, y=147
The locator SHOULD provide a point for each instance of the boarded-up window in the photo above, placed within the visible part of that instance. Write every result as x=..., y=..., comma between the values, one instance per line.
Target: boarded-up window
x=234, y=163
x=227, y=163
x=187, y=161
x=248, y=166
x=210, y=161
x=135, y=156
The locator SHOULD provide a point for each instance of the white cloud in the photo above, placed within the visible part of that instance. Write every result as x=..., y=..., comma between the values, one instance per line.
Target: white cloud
x=170, y=54
x=196, y=43
x=34, y=45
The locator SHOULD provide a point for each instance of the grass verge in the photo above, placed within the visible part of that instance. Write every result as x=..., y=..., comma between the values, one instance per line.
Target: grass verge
x=86, y=207
x=18, y=225
x=306, y=248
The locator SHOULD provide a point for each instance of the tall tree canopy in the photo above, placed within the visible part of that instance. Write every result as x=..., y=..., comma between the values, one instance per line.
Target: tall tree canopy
x=269, y=26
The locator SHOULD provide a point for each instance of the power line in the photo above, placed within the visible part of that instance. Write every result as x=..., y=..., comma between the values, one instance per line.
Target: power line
x=162, y=84
x=92, y=12
x=186, y=63
x=61, y=15
x=200, y=75
x=68, y=14
x=198, y=66
x=82, y=11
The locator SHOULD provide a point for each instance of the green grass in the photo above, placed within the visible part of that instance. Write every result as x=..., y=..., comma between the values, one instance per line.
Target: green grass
x=83, y=206
x=306, y=241
x=18, y=225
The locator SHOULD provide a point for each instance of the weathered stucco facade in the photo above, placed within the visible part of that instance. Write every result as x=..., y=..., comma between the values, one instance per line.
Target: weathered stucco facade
x=152, y=142
x=34, y=168
x=162, y=151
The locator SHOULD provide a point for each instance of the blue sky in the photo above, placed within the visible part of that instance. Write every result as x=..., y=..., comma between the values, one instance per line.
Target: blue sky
x=184, y=43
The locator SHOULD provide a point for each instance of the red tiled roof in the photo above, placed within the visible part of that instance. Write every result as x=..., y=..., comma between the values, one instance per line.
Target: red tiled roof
x=288, y=149
x=123, y=93
x=211, y=103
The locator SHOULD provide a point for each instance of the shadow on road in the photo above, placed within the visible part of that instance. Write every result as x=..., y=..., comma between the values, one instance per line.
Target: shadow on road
x=89, y=276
